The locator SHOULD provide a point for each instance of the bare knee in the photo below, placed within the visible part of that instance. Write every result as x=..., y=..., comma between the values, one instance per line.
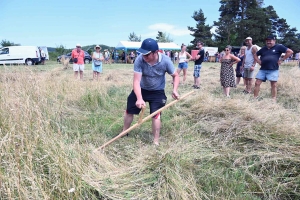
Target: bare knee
x=258, y=83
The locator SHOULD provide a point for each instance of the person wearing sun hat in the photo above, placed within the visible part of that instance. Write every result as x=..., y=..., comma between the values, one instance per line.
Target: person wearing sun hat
x=248, y=65
x=97, y=62
x=149, y=83
x=78, y=61
x=269, y=62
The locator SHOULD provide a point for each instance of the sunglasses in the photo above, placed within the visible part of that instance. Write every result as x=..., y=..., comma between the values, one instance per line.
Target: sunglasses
x=227, y=50
x=146, y=56
x=78, y=47
x=97, y=48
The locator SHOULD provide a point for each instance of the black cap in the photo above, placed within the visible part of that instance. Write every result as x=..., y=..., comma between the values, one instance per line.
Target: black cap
x=271, y=37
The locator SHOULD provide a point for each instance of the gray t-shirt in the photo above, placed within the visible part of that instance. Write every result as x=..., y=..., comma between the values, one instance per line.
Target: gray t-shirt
x=153, y=77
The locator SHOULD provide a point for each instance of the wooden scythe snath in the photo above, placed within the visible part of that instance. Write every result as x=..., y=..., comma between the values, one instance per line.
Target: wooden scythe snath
x=140, y=121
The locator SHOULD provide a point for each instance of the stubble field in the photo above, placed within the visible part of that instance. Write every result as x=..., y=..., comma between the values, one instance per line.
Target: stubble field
x=211, y=147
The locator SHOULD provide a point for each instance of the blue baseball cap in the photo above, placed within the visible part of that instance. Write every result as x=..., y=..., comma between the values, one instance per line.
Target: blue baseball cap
x=148, y=45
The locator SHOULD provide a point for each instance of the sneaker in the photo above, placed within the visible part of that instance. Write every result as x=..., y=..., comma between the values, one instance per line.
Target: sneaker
x=193, y=86
x=197, y=87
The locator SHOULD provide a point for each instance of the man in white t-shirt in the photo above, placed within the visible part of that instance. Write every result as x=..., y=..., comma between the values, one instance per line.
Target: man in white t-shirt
x=43, y=55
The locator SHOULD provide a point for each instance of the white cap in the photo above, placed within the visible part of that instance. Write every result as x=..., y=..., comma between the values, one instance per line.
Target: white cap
x=248, y=38
x=78, y=45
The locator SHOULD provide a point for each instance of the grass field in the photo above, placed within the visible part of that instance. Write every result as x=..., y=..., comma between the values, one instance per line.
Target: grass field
x=211, y=147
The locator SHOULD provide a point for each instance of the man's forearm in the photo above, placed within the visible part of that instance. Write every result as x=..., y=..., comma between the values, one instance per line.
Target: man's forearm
x=137, y=90
x=175, y=82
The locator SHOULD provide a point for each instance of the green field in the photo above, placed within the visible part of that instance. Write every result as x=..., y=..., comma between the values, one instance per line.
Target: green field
x=211, y=147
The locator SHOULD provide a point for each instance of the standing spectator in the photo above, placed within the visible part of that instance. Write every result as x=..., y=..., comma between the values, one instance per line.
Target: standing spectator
x=106, y=56
x=217, y=57
x=132, y=56
x=97, y=62
x=249, y=64
x=227, y=73
x=116, y=56
x=113, y=56
x=297, y=58
x=269, y=61
x=198, y=61
x=78, y=61
x=176, y=56
x=123, y=57
x=183, y=61
x=206, y=56
x=239, y=70
x=43, y=55
x=172, y=56
x=149, y=83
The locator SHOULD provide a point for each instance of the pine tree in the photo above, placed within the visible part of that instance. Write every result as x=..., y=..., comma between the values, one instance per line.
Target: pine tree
x=133, y=37
x=226, y=26
x=163, y=37
x=202, y=31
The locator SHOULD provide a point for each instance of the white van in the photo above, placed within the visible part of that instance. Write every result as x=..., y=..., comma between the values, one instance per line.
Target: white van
x=28, y=55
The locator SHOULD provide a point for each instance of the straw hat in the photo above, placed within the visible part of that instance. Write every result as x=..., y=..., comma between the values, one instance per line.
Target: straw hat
x=97, y=46
x=78, y=45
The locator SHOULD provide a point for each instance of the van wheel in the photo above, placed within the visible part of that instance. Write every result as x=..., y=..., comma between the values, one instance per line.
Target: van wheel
x=28, y=61
x=86, y=61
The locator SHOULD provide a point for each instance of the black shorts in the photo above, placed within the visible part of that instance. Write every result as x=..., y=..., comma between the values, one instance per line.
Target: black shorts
x=157, y=99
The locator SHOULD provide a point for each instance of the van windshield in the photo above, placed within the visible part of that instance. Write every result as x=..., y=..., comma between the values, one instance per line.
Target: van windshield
x=4, y=51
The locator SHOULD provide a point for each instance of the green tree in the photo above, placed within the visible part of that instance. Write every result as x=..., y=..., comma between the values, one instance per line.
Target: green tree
x=60, y=50
x=133, y=37
x=6, y=43
x=202, y=31
x=273, y=19
x=242, y=18
x=163, y=37
x=226, y=26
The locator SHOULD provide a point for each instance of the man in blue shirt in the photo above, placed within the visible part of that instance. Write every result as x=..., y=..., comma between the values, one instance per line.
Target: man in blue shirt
x=149, y=83
x=269, y=61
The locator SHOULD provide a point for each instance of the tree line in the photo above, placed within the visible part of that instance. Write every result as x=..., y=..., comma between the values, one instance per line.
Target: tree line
x=238, y=20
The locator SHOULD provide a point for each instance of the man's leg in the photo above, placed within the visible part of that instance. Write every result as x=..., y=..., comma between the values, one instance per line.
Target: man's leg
x=198, y=81
x=249, y=85
x=128, y=118
x=156, y=124
x=75, y=74
x=257, y=87
x=81, y=74
x=274, y=89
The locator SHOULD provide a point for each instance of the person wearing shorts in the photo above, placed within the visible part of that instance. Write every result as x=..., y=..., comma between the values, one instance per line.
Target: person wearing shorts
x=198, y=61
x=78, y=66
x=248, y=65
x=183, y=61
x=269, y=61
x=149, y=84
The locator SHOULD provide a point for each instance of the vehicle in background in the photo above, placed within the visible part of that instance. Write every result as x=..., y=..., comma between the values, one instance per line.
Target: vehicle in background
x=29, y=55
x=45, y=49
x=87, y=57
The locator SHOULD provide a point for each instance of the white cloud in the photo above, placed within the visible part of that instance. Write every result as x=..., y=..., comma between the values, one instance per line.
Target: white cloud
x=168, y=28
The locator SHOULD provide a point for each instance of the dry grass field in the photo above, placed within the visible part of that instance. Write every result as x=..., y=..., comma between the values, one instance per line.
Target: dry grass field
x=211, y=147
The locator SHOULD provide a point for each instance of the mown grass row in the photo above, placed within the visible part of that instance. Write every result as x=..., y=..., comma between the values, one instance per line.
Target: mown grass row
x=211, y=147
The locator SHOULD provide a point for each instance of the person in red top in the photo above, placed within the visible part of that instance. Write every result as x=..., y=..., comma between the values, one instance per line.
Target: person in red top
x=78, y=55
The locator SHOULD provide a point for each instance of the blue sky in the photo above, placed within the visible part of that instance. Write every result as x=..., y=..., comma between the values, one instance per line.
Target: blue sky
x=54, y=22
